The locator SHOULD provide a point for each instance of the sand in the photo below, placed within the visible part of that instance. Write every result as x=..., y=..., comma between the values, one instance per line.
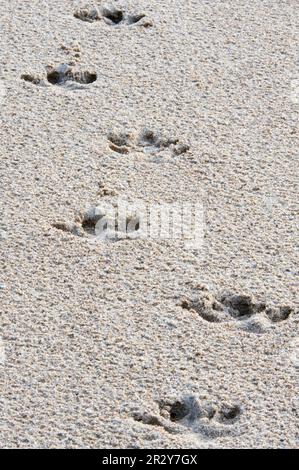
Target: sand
x=146, y=342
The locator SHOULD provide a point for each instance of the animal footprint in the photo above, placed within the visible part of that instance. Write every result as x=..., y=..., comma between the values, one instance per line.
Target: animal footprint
x=112, y=16
x=211, y=420
x=62, y=75
x=147, y=141
x=189, y=414
x=241, y=309
x=104, y=223
x=107, y=224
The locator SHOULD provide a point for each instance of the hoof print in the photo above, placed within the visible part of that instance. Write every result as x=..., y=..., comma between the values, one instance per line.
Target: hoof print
x=239, y=309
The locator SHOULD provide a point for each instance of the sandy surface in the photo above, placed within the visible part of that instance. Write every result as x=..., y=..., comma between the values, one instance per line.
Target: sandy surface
x=144, y=342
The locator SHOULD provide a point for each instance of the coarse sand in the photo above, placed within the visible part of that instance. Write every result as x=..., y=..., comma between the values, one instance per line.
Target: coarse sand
x=120, y=340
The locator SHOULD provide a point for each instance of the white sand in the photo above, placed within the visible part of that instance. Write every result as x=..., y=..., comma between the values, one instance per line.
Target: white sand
x=110, y=343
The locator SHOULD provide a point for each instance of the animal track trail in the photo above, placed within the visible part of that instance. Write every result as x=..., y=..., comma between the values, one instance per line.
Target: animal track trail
x=240, y=309
x=112, y=16
x=146, y=141
x=63, y=75
x=188, y=414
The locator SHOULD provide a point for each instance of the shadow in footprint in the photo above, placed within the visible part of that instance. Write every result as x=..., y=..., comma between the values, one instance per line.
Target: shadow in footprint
x=113, y=15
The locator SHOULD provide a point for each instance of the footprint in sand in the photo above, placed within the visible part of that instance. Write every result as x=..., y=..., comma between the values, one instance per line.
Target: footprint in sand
x=240, y=309
x=103, y=222
x=188, y=414
x=63, y=75
x=147, y=141
x=112, y=16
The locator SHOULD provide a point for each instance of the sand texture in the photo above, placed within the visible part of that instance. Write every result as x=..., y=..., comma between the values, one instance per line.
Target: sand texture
x=145, y=342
